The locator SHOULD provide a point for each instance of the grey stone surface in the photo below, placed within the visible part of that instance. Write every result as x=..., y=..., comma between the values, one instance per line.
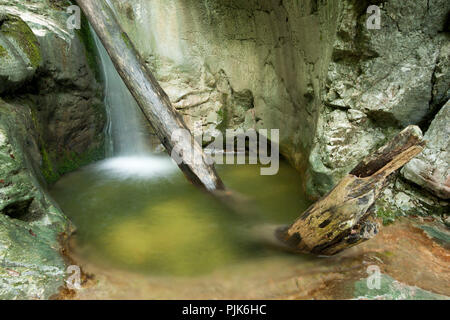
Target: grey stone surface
x=20, y=54
x=311, y=69
x=52, y=125
x=239, y=64
x=395, y=76
x=431, y=169
x=30, y=263
x=401, y=198
x=65, y=97
x=335, y=90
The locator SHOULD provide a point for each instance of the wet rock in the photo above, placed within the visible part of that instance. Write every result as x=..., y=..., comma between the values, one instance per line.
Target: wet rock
x=390, y=289
x=20, y=55
x=65, y=97
x=431, y=169
x=343, y=138
x=386, y=73
x=394, y=76
x=30, y=222
x=446, y=220
x=52, y=125
x=401, y=198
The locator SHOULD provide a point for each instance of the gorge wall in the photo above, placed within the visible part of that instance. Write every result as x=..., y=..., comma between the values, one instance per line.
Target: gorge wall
x=335, y=89
x=51, y=122
x=239, y=64
x=310, y=68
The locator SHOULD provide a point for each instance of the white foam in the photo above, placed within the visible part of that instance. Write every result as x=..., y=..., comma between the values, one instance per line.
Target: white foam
x=138, y=167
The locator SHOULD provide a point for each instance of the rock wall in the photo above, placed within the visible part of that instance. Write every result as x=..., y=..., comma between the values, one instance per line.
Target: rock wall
x=310, y=68
x=31, y=266
x=239, y=64
x=378, y=82
x=334, y=88
x=431, y=169
x=60, y=87
x=424, y=184
x=51, y=121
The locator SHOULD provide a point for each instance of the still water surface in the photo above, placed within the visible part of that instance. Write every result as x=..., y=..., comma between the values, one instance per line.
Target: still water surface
x=140, y=214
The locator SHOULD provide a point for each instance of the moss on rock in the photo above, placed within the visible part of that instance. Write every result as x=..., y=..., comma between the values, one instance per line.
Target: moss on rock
x=15, y=28
x=387, y=216
x=91, y=52
x=71, y=161
x=30, y=264
x=3, y=52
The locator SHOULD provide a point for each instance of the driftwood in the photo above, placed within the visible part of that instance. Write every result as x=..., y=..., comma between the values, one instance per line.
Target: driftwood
x=149, y=95
x=345, y=216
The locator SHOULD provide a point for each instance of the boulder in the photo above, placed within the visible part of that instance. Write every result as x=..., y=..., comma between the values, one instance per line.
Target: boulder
x=31, y=266
x=431, y=169
x=65, y=96
x=20, y=54
x=53, y=124
x=394, y=76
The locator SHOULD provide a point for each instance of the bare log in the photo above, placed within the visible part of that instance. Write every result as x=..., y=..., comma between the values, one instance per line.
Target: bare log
x=149, y=95
x=345, y=216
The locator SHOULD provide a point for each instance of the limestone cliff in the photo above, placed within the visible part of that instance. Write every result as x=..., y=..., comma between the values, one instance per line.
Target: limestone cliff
x=51, y=122
x=335, y=89
x=239, y=64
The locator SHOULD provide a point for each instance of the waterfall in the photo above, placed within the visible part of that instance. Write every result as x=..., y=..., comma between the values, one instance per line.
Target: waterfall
x=127, y=130
x=129, y=138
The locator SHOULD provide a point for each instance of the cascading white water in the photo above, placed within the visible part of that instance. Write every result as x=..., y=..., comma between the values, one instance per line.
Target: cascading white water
x=126, y=123
x=129, y=144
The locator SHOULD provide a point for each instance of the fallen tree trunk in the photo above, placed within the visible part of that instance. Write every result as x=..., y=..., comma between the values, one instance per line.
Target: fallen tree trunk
x=149, y=95
x=345, y=216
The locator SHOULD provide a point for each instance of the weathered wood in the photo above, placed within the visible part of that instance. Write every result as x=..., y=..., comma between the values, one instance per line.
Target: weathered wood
x=345, y=216
x=149, y=95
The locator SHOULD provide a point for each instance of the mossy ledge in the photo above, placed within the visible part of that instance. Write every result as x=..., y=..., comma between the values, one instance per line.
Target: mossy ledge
x=3, y=52
x=52, y=170
x=13, y=27
x=56, y=164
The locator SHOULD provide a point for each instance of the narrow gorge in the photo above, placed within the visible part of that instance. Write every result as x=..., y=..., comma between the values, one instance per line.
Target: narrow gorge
x=85, y=181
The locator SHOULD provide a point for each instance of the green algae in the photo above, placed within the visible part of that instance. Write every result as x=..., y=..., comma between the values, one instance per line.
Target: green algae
x=91, y=52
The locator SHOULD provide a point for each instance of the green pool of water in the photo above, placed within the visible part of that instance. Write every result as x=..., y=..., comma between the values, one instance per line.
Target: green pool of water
x=141, y=214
